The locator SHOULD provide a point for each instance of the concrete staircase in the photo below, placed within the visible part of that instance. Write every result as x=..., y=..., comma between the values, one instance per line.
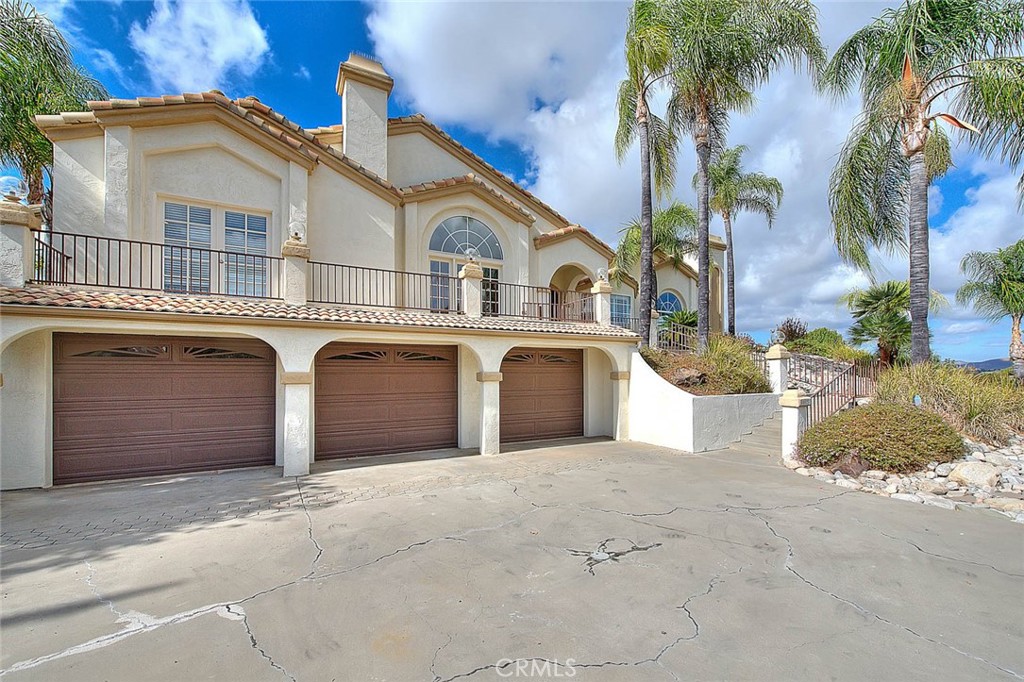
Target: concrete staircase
x=765, y=439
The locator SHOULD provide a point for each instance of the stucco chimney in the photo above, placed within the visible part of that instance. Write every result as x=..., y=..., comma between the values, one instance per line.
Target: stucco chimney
x=364, y=87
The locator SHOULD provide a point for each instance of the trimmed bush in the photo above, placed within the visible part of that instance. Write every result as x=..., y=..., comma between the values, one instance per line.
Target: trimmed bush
x=883, y=436
x=982, y=406
x=724, y=368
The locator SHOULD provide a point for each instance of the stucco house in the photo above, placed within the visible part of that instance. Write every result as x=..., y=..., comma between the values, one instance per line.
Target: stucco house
x=224, y=288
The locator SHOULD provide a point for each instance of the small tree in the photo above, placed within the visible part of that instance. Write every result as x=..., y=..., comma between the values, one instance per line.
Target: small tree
x=995, y=287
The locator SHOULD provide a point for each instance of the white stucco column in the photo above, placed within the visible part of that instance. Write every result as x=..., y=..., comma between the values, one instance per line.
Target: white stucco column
x=17, y=242
x=294, y=271
x=602, y=293
x=472, y=276
x=117, y=141
x=795, y=413
x=654, y=329
x=490, y=412
x=297, y=402
x=620, y=401
x=777, y=358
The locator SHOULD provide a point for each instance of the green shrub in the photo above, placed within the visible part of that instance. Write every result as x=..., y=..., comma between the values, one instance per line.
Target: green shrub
x=984, y=407
x=828, y=343
x=724, y=368
x=882, y=435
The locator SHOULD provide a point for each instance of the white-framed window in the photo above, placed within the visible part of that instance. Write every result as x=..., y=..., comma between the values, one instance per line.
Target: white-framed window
x=212, y=249
x=622, y=309
x=188, y=235
x=450, y=245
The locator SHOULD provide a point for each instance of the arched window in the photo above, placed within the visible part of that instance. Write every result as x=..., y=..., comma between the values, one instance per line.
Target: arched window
x=458, y=233
x=669, y=303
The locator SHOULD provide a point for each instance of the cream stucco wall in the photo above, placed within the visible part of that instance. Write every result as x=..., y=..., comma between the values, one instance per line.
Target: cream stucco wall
x=78, y=182
x=598, y=408
x=25, y=412
x=364, y=113
x=413, y=159
x=567, y=251
x=348, y=224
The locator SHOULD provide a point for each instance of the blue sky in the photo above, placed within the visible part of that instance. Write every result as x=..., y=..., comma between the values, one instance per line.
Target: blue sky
x=530, y=87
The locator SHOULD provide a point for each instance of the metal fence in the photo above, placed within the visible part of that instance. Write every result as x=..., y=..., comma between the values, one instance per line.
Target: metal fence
x=539, y=303
x=677, y=338
x=838, y=393
x=375, y=287
x=62, y=258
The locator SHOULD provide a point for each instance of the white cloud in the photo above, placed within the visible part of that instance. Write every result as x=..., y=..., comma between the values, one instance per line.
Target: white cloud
x=100, y=60
x=935, y=200
x=189, y=47
x=520, y=72
x=303, y=73
x=965, y=327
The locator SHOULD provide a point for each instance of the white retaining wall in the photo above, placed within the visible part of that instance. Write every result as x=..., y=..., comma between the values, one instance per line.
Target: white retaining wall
x=661, y=414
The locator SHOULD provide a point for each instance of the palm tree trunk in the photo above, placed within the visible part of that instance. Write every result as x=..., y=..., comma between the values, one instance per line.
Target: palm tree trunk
x=1016, y=348
x=36, y=190
x=646, y=227
x=920, y=350
x=730, y=281
x=703, y=145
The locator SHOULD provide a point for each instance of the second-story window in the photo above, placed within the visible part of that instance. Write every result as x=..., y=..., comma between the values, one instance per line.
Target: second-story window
x=450, y=245
x=245, y=240
x=622, y=310
x=187, y=257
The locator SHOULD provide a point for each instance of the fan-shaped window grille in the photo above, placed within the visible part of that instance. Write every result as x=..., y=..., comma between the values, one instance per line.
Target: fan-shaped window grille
x=458, y=233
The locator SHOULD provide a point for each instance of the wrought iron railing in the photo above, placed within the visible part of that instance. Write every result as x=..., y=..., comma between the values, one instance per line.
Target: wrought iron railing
x=630, y=323
x=811, y=372
x=838, y=393
x=539, y=303
x=758, y=357
x=63, y=258
x=677, y=338
x=377, y=288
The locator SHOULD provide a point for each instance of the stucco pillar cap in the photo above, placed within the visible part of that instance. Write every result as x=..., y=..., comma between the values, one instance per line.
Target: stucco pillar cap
x=601, y=287
x=295, y=248
x=16, y=213
x=777, y=352
x=471, y=271
x=794, y=397
x=655, y=314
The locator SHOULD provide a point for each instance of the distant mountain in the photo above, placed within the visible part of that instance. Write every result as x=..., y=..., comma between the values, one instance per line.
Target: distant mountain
x=993, y=365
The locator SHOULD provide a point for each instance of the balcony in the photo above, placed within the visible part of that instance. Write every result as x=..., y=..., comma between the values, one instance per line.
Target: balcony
x=65, y=259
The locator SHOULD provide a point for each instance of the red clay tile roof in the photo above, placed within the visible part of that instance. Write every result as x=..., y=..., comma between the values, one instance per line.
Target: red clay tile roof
x=63, y=297
x=468, y=179
x=557, y=235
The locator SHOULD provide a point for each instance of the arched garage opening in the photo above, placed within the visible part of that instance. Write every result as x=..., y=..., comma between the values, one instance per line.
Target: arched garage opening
x=541, y=394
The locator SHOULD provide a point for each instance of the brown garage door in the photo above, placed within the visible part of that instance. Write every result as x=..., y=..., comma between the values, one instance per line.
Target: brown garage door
x=541, y=394
x=373, y=399
x=140, y=405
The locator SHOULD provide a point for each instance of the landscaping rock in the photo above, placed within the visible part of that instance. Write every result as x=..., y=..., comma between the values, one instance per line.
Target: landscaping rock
x=850, y=465
x=944, y=469
x=876, y=474
x=907, y=497
x=998, y=459
x=941, y=502
x=848, y=483
x=687, y=377
x=975, y=473
x=932, y=488
x=1006, y=504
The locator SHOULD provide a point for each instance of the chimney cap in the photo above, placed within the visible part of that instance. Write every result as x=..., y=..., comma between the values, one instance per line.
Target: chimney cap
x=362, y=69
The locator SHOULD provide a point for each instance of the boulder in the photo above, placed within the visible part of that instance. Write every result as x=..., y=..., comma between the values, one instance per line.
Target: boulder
x=850, y=465
x=998, y=459
x=931, y=487
x=687, y=376
x=906, y=497
x=944, y=469
x=1006, y=504
x=876, y=474
x=848, y=483
x=977, y=474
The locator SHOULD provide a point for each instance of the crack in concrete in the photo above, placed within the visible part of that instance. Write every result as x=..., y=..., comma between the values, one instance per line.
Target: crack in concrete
x=603, y=554
x=309, y=523
x=788, y=564
x=723, y=509
x=437, y=652
x=238, y=611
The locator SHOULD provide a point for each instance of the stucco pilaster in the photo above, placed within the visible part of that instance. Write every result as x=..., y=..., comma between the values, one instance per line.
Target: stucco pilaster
x=117, y=141
x=796, y=409
x=297, y=427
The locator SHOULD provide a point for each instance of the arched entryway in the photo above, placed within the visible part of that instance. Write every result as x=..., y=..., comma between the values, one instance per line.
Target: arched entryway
x=570, y=286
x=541, y=394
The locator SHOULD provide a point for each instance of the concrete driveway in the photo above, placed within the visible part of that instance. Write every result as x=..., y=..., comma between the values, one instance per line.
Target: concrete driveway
x=600, y=561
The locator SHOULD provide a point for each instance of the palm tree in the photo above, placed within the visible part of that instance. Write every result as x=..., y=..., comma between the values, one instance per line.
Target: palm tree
x=672, y=233
x=648, y=52
x=38, y=75
x=722, y=51
x=732, y=191
x=995, y=287
x=881, y=314
x=963, y=53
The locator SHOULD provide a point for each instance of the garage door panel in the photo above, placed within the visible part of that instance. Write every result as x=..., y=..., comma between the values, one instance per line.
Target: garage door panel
x=132, y=406
x=374, y=399
x=541, y=394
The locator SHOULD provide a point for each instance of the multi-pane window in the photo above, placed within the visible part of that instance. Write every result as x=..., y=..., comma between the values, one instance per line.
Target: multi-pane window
x=245, y=240
x=440, y=286
x=457, y=236
x=622, y=310
x=669, y=303
x=187, y=237
x=489, y=291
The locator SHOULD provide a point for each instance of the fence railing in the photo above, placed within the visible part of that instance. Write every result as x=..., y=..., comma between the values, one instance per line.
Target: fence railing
x=811, y=372
x=63, y=258
x=759, y=358
x=378, y=288
x=630, y=323
x=677, y=338
x=537, y=303
x=839, y=392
